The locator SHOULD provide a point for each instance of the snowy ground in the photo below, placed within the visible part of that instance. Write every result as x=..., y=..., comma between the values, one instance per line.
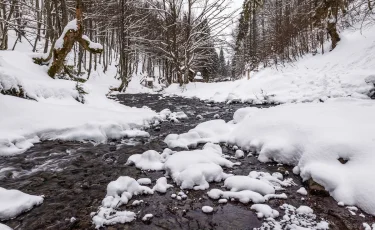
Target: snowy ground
x=340, y=73
x=313, y=137
x=54, y=112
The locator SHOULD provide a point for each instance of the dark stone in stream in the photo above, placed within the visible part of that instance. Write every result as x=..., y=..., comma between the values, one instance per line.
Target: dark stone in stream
x=74, y=176
x=317, y=189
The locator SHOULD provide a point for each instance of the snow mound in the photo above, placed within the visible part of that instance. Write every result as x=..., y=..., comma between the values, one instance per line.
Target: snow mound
x=194, y=169
x=119, y=192
x=244, y=197
x=149, y=160
x=162, y=185
x=14, y=202
x=214, y=131
x=241, y=183
x=264, y=211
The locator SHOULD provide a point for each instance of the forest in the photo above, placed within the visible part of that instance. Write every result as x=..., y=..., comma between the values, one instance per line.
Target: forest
x=174, y=39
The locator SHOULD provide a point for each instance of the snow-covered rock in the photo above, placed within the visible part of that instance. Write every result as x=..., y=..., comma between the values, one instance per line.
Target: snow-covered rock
x=207, y=209
x=149, y=160
x=264, y=211
x=162, y=185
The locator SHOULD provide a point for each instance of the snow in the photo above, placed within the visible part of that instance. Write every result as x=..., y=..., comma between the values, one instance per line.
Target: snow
x=293, y=220
x=207, y=209
x=312, y=136
x=92, y=45
x=147, y=217
x=223, y=201
x=264, y=211
x=144, y=181
x=244, y=197
x=240, y=183
x=302, y=191
x=119, y=192
x=304, y=210
x=149, y=160
x=194, y=169
x=239, y=154
x=108, y=216
x=4, y=227
x=137, y=202
x=214, y=131
x=336, y=74
x=55, y=113
x=366, y=226
x=162, y=185
x=72, y=25
x=15, y=202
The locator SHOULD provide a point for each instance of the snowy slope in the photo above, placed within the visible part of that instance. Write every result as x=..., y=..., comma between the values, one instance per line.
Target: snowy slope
x=339, y=73
x=54, y=112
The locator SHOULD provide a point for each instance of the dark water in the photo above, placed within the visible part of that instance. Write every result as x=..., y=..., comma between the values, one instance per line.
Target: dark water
x=73, y=177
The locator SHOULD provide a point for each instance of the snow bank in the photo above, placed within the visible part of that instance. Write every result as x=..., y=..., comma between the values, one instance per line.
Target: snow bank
x=14, y=202
x=340, y=73
x=314, y=137
x=55, y=113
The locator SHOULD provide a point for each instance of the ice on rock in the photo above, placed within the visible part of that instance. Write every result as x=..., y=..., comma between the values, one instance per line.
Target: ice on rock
x=15, y=202
x=149, y=160
x=302, y=191
x=147, y=217
x=162, y=185
x=264, y=211
x=207, y=209
x=244, y=197
x=241, y=183
x=144, y=181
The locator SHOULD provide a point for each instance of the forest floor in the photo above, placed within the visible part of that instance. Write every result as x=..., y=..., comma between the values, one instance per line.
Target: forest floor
x=73, y=177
